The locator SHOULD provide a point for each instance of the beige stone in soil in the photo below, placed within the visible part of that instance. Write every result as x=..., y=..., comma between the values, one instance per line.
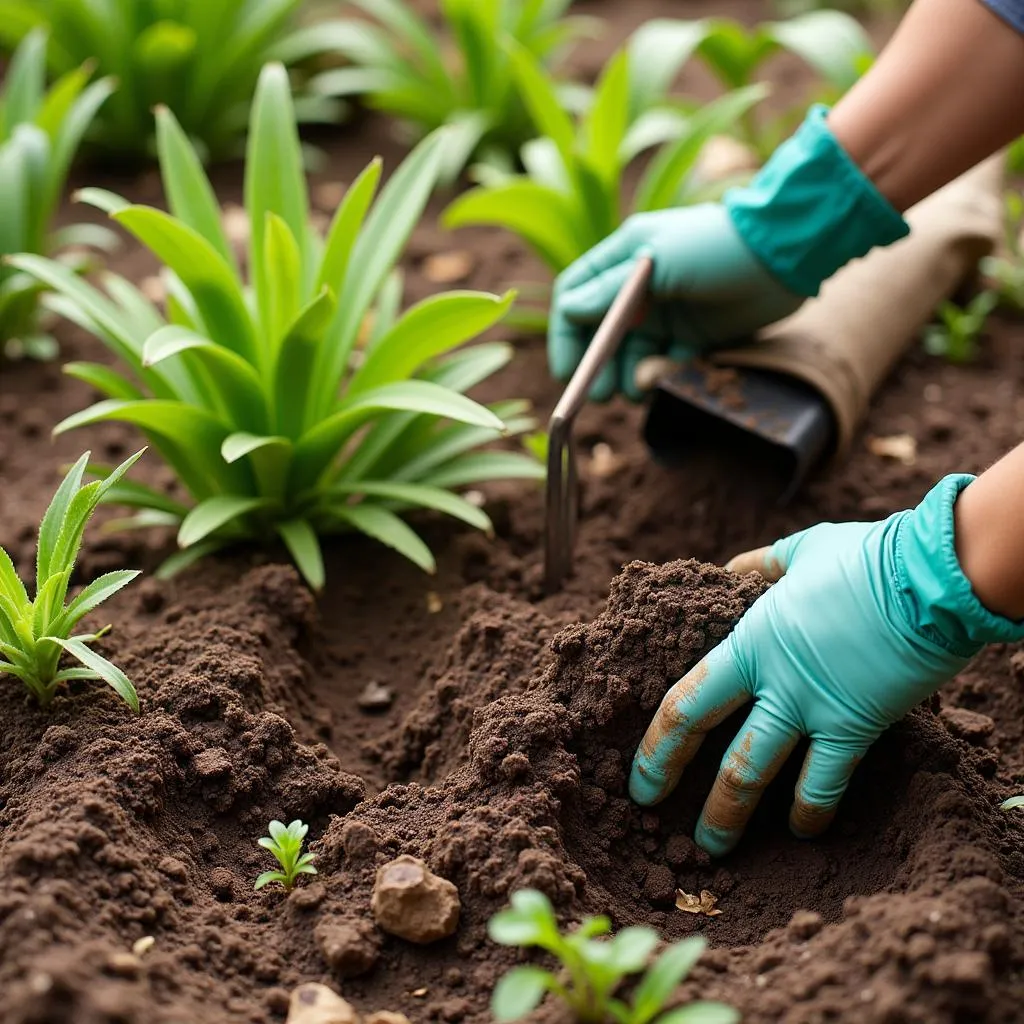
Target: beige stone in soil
x=410, y=901
x=317, y=1004
x=448, y=267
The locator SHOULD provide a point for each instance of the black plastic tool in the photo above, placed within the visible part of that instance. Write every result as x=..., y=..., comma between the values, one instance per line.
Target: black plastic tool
x=772, y=421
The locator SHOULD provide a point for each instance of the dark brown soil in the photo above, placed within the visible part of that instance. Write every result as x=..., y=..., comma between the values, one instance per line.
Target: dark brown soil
x=502, y=758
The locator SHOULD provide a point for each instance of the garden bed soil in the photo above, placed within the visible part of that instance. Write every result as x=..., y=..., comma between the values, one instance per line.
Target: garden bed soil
x=502, y=757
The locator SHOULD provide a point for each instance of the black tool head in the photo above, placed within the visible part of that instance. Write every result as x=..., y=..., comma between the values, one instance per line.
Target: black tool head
x=775, y=422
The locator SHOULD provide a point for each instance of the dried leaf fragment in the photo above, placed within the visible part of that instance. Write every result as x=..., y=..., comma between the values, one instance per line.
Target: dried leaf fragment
x=702, y=904
x=901, y=447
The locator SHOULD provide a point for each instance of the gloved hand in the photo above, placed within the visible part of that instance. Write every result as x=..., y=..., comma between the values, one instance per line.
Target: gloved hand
x=723, y=271
x=865, y=621
x=707, y=288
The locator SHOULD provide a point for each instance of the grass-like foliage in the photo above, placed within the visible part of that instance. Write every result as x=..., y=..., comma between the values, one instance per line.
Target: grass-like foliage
x=573, y=194
x=36, y=634
x=592, y=968
x=40, y=131
x=201, y=58
x=832, y=43
x=1006, y=269
x=462, y=76
x=280, y=413
x=955, y=334
x=285, y=843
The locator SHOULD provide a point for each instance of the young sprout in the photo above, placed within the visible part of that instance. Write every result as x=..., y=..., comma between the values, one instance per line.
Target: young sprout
x=956, y=334
x=1012, y=803
x=285, y=843
x=593, y=967
x=1006, y=270
x=36, y=634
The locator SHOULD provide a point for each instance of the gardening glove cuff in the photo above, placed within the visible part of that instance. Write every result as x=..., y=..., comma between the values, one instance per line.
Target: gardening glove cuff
x=810, y=210
x=936, y=597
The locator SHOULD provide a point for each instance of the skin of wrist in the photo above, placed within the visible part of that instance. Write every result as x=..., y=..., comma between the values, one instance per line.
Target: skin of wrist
x=986, y=554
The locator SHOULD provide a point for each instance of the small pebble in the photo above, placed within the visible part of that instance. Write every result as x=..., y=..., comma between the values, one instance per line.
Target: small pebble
x=375, y=697
x=317, y=1004
x=410, y=901
x=448, y=267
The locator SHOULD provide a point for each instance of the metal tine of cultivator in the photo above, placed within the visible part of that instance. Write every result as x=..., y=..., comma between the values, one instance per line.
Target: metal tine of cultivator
x=562, y=497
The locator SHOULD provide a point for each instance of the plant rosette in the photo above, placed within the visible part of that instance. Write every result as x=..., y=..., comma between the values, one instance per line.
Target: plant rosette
x=302, y=403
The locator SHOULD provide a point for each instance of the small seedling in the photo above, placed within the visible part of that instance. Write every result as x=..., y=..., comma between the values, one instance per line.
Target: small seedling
x=955, y=336
x=593, y=967
x=1006, y=270
x=285, y=843
x=35, y=634
x=1012, y=803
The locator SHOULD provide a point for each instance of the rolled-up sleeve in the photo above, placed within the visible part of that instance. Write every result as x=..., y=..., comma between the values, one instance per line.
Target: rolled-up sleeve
x=1011, y=11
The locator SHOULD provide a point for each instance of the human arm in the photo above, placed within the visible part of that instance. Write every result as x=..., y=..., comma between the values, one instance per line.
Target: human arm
x=943, y=94
x=865, y=620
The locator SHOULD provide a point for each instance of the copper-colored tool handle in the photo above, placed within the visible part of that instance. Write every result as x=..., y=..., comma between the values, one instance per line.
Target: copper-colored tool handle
x=561, y=497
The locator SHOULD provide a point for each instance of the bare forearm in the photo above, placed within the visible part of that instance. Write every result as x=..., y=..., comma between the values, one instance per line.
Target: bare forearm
x=944, y=94
x=990, y=535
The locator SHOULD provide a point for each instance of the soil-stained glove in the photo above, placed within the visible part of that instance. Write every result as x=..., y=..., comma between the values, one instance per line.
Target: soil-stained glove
x=865, y=620
x=723, y=271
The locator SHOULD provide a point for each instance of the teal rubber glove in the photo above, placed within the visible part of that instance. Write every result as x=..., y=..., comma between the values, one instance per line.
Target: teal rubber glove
x=723, y=271
x=865, y=620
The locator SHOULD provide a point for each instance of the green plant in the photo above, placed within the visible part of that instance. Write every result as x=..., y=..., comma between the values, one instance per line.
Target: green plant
x=1006, y=270
x=593, y=967
x=201, y=59
x=280, y=409
x=461, y=77
x=1012, y=803
x=832, y=43
x=955, y=336
x=39, y=134
x=35, y=634
x=285, y=843
x=573, y=192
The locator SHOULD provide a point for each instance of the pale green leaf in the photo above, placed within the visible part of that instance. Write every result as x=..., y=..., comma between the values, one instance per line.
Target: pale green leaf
x=301, y=541
x=109, y=673
x=386, y=527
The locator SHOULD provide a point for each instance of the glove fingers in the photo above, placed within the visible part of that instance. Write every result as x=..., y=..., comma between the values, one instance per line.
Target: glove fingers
x=773, y=561
x=617, y=248
x=588, y=302
x=711, y=691
x=754, y=759
x=566, y=343
x=760, y=560
x=823, y=780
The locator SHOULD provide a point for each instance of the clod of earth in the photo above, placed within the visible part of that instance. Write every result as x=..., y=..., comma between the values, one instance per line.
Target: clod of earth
x=317, y=1004
x=386, y=1017
x=350, y=947
x=410, y=901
